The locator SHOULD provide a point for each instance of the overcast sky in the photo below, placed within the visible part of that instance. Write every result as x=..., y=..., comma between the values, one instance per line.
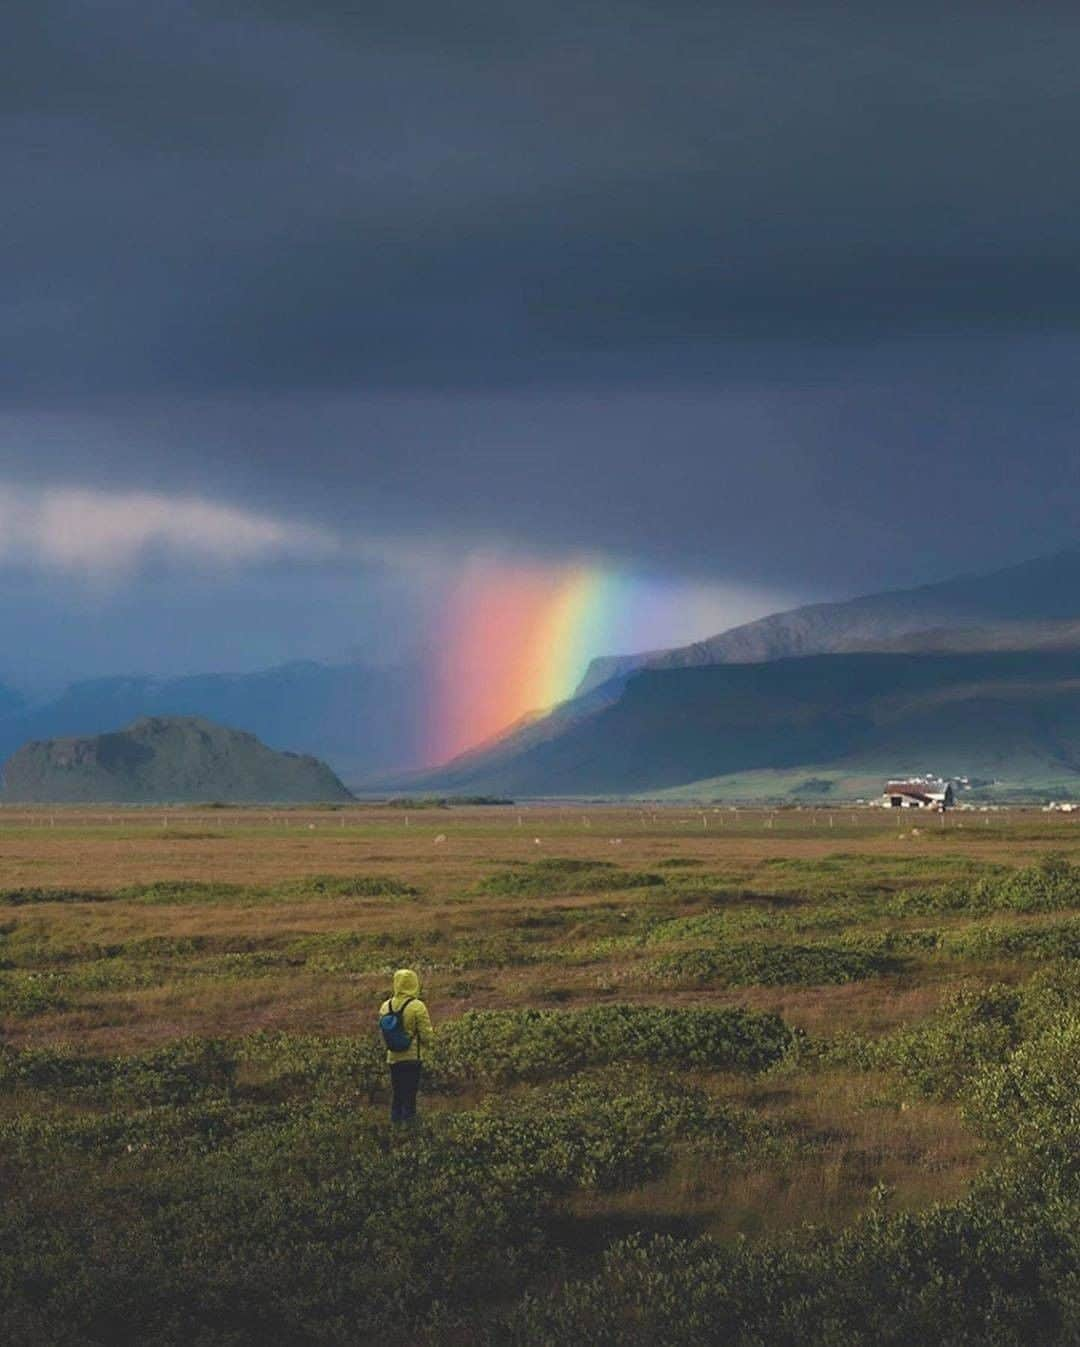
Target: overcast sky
x=304, y=302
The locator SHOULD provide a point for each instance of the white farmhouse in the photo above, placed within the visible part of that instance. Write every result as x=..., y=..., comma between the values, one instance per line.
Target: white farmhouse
x=923, y=794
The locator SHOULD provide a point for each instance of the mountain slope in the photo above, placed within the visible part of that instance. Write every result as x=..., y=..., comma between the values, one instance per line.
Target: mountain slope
x=165, y=759
x=967, y=713
x=1045, y=635
x=1044, y=590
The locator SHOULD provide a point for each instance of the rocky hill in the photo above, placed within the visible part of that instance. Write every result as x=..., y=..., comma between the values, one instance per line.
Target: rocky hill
x=165, y=758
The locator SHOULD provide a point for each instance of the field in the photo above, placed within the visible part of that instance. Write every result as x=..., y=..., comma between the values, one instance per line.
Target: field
x=718, y=1076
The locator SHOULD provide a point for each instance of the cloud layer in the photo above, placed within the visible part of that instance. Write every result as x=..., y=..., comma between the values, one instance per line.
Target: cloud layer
x=96, y=534
x=325, y=195
x=751, y=295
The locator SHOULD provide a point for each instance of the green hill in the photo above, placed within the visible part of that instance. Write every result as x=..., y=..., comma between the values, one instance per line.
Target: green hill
x=165, y=758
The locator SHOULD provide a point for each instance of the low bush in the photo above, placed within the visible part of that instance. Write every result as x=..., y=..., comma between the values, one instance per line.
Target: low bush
x=505, y=1045
x=345, y=886
x=757, y=964
x=975, y=1028
x=997, y=1270
x=1052, y=884
x=26, y=994
x=920, y=940
x=304, y=1224
x=182, y=891
x=23, y=897
x=286, y=1064
x=1050, y=995
x=710, y=926
x=1057, y=940
x=556, y=877
x=182, y=1071
x=1030, y=1103
x=34, y=1138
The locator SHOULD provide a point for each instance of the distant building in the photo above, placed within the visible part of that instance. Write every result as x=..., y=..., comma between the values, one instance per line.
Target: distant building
x=918, y=795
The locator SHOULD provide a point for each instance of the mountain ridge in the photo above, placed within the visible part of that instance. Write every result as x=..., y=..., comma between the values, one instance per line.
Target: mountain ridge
x=1030, y=611
x=1040, y=589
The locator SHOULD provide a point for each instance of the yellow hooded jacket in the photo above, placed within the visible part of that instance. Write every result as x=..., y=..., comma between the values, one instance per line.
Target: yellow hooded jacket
x=416, y=1019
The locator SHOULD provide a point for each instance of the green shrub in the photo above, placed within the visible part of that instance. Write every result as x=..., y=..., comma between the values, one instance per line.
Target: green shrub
x=1052, y=884
x=25, y=994
x=305, y=1224
x=244, y=964
x=313, y=1064
x=1030, y=1104
x=717, y=925
x=1058, y=940
x=178, y=1073
x=1052, y=994
x=921, y=940
x=183, y=891
x=119, y=974
x=507, y=1045
x=557, y=876
x=164, y=947
x=995, y=1271
x=22, y=897
x=55, y=1068
x=344, y=886
x=974, y=1029
x=185, y=1129
x=952, y=897
x=756, y=964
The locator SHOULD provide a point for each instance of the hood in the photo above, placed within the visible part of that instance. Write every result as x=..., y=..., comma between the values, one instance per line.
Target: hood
x=406, y=983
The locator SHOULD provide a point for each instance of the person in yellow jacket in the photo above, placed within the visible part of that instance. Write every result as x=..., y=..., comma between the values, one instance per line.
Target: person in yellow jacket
x=405, y=1065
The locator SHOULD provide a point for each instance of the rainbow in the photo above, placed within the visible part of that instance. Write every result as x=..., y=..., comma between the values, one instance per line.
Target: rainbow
x=516, y=638
x=512, y=638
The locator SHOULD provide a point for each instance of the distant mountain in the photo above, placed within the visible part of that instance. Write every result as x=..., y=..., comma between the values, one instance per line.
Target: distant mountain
x=985, y=713
x=627, y=729
x=1044, y=590
x=11, y=700
x=368, y=722
x=165, y=758
x=358, y=718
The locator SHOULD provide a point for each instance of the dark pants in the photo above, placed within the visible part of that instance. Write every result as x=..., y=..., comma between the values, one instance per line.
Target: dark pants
x=405, y=1079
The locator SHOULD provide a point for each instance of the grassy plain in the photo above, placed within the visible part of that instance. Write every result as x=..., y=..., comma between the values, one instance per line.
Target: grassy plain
x=703, y=1024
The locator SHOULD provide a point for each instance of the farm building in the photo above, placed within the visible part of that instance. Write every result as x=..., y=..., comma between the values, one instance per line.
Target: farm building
x=918, y=795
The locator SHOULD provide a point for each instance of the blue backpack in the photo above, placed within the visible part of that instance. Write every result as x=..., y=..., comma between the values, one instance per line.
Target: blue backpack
x=392, y=1025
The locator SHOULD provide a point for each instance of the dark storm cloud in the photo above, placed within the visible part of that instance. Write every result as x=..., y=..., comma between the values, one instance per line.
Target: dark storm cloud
x=240, y=195
x=719, y=284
